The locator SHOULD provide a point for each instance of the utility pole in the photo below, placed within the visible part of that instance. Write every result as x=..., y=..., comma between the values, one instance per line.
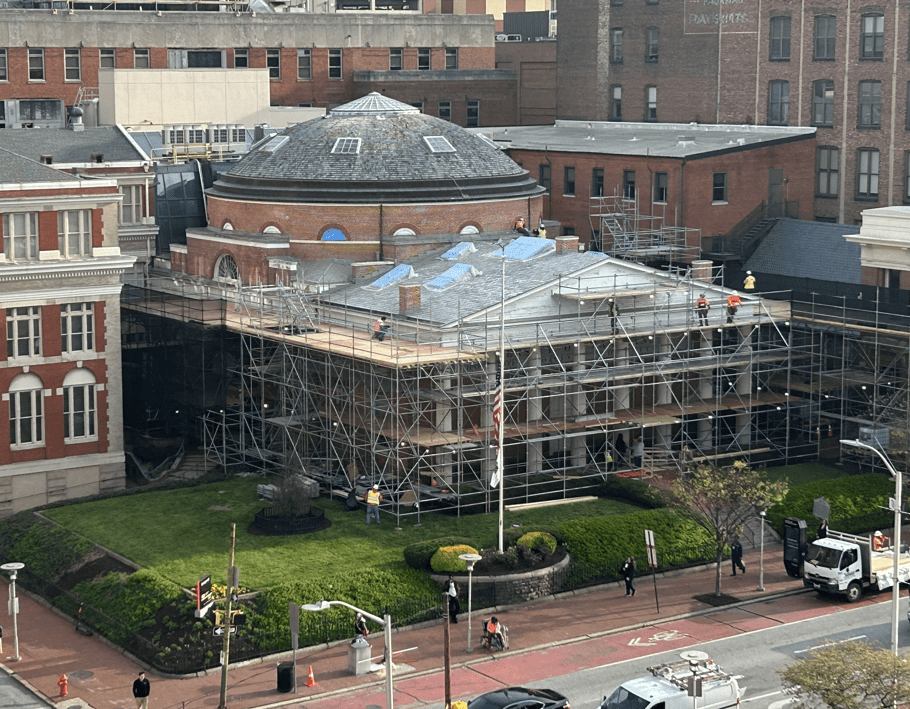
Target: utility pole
x=226, y=643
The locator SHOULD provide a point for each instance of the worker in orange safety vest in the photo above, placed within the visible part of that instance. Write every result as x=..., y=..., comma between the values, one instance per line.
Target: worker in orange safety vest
x=733, y=303
x=702, y=306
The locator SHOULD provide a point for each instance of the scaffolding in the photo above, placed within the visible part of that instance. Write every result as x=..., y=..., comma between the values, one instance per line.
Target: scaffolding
x=850, y=370
x=624, y=232
x=320, y=396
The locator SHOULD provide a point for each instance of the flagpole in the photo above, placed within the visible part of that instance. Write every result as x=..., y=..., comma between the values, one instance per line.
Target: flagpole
x=502, y=381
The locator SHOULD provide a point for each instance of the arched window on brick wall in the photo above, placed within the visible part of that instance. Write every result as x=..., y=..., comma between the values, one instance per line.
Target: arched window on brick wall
x=226, y=269
x=26, y=411
x=80, y=411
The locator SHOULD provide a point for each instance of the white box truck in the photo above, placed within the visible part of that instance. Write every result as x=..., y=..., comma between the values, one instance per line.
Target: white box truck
x=846, y=564
x=695, y=682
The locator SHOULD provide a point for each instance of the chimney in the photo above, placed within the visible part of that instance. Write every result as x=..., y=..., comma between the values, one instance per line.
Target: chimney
x=566, y=244
x=701, y=270
x=361, y=269
x=408, y=298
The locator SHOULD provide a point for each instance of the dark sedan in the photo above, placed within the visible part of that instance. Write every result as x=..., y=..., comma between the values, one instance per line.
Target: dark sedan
x=520, y=698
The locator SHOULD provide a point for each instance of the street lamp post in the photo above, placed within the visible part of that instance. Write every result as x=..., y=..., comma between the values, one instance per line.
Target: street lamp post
x=761, y=554
x=14, y=568
x=896, y=544
x=386, y=622
x=470, y=560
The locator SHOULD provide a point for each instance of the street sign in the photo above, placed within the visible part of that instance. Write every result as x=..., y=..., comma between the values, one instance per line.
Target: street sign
x=203, y=591
x=219, y=632
x=652, y=552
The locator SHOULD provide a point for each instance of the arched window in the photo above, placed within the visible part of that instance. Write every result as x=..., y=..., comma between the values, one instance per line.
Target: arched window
x=80, y=414
x=26, y=411
x=228, y=226
x=470, y=229
x=271, y=230
x=333, y=235
x=404, y=232
x=226, y=269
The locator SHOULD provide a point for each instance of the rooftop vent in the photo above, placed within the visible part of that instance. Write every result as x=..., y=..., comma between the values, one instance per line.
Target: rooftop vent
x=685, y=140
x=47, y=159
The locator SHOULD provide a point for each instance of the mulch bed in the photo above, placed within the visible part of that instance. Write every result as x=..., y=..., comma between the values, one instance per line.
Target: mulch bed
x=716, y=601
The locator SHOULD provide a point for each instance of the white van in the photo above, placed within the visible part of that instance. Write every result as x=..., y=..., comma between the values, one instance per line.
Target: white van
x=675, y=685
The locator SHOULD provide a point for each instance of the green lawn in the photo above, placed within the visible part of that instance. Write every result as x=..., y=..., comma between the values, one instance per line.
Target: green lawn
x=804, y=473
x=185, y=534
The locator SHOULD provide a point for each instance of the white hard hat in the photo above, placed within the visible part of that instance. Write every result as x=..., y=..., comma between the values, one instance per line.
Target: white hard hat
x=878, y=534
x=375, y=487
x=748, y=273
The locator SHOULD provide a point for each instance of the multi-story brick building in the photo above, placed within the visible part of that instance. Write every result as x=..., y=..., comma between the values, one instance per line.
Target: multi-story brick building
x=841, y=68
x=51, y=59
x=60, y=377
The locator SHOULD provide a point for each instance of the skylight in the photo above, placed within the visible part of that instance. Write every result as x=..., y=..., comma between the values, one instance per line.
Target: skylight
x=400, y=272
x=456, y=273
x=275, y=143
x=460, y=249
x=525, y=247
x=346, y=146
x=439, y=144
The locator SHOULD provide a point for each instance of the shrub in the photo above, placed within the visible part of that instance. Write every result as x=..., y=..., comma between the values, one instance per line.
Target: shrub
x=511, y=535
x=46, y=549
x=636, y=492
x=419, y=554
x=604, y=540
x=856, y=503
x=538, y=541
x=446, y=561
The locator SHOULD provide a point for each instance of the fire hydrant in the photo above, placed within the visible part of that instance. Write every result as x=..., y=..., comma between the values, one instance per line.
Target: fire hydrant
x=63, y=683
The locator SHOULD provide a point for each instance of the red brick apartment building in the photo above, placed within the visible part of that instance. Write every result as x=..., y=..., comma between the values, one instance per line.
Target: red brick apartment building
x=444, y=64
x=60, y=372
x=701, y=177
x=843, y=68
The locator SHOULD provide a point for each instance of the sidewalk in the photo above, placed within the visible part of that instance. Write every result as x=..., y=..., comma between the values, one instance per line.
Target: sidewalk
x=101, y=677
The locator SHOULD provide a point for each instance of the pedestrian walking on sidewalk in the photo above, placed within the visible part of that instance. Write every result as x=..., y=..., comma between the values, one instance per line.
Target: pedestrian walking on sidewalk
x=628, y=573
x=452, y=590
x=736, y=557
x=141, y=691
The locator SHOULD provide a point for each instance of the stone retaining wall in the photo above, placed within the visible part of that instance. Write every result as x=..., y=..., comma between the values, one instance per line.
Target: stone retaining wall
x=510, y=588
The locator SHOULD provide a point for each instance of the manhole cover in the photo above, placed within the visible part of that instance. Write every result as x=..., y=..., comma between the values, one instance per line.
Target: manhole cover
x=81, y=674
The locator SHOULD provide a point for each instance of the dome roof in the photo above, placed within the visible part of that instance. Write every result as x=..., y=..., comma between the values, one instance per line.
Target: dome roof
x=375, y=150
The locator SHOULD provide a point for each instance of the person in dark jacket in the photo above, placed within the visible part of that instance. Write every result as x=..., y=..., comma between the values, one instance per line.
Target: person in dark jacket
x=141, y=691
x=620, y=448
x=736, y=557
x=822, y=530
x=628, y=573
x=452, y=590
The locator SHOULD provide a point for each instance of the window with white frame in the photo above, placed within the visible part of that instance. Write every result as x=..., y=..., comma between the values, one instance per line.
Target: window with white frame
x=304, y=64
x=35, y=64
x=72, y=64
x=867, y=165
x=396, y=59
x=23, y=332
x=451, y=58
x=335, y=71
x=20, y=236
x=445, y=110
x=77, y=327
x=4, y=65
x=226, y=269
x=80, y=414
x=142, y=59
x=131, y=206
x=241, y=58
x=107, y=59
x=651, y=103
x=74, y=233
x=26, y=411
x=423, y=58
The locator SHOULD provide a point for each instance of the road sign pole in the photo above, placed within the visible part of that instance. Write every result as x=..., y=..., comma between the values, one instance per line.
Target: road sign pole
x=652, y=562
x=226, y=647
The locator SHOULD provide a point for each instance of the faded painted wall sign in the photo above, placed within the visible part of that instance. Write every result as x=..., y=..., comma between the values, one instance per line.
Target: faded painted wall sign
x=702, y=16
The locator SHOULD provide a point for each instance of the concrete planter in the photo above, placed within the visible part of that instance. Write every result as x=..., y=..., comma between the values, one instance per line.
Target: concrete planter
x=511, y=588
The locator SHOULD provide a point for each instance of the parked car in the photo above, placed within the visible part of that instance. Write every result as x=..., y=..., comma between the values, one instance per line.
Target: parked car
x=515, y=697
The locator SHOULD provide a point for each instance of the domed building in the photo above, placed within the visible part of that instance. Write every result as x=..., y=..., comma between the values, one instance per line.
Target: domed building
x=375, y=179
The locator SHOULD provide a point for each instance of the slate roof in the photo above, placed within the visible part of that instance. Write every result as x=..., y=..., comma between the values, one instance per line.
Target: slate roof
x=470, y=296
x=68, y=146
x=393, y=164
x=804, y=249
x=17, y=169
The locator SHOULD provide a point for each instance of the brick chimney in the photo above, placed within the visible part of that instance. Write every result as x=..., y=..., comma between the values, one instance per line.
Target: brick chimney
x=408, y=298
x=360, y=269
x=566, y=244
x=701, y=270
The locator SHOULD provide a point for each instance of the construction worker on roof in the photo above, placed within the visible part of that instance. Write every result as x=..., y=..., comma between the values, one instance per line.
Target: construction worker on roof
x=733, y=303
x=749, y=283
x=702, y=306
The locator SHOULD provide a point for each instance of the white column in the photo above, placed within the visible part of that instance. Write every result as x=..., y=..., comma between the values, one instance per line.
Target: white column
x=534, y=450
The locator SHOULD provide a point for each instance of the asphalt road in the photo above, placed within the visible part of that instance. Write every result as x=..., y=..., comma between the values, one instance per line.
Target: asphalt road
x=756, y=656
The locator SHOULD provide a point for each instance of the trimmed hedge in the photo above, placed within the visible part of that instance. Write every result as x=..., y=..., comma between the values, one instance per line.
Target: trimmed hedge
x=46, y=549
x=856, y=503
x=538, y=541
x=636, y=492
x=600, y=541
x=446, y=561
x=419, y=554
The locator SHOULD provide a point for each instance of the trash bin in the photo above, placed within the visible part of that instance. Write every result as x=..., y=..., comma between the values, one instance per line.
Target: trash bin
x=285, y=677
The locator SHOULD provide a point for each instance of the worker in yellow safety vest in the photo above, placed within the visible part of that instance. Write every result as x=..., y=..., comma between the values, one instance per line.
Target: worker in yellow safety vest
x=373, y=498
x=749, y=283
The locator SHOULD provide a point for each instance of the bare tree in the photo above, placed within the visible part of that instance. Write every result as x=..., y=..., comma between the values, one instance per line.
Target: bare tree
x=850, y=675
x=722, y=499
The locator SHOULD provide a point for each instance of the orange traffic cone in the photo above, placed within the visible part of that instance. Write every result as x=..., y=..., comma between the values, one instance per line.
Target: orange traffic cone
x=311, y=680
